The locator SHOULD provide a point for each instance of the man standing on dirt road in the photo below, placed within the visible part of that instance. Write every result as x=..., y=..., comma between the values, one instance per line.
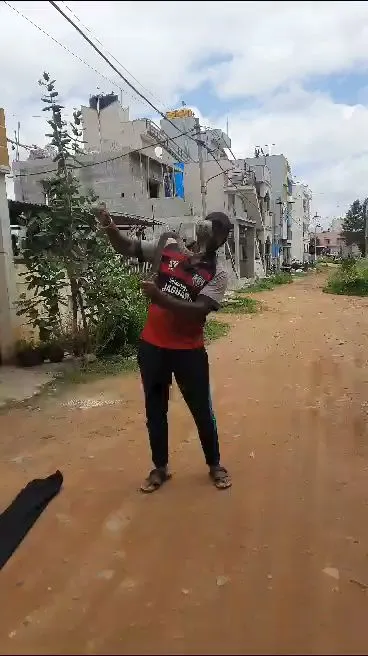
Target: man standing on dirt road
x=187, y=287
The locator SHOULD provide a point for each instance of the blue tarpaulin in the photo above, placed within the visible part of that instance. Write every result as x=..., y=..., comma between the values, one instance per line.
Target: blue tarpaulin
x=179, y=179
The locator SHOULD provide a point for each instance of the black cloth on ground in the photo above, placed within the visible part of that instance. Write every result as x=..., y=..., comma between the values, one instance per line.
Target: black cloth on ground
x=24, y=510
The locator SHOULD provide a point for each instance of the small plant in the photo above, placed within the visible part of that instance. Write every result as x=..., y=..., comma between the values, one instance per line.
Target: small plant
x=282, y=278
x=28, y=354
x=215, y=329
x=53, y=350
x=240, y=305
x=87, y=371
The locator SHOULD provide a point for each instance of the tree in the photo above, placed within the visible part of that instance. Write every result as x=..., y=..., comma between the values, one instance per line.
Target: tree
x=354, y=224
x=64, y=246
x=66, y=231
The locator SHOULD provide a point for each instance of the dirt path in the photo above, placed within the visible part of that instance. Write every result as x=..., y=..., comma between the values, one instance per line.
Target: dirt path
x=190, y=569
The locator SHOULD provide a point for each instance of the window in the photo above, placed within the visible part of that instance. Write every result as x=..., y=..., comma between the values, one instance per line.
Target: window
x=122, y=194
x=231, y=204
x=153, y=188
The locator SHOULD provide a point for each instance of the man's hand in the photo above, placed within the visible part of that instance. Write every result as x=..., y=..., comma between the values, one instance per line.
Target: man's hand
x=150, y=290
x=189, y=311
x=102, y=215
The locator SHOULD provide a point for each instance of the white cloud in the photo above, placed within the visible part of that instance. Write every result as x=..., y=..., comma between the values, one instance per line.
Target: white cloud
x=323, y=141
x=271, y=48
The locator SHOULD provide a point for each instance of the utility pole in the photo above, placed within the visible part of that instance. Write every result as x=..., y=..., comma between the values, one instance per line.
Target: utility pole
x=201, y=171
x=366, y=230
x=316, y=225
x=7, y=271
x=278, y=238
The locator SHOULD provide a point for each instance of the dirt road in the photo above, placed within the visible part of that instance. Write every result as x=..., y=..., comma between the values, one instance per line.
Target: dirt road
x=278, y=564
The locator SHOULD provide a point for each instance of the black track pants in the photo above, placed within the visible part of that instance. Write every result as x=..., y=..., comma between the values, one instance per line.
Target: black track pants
x=191, y=371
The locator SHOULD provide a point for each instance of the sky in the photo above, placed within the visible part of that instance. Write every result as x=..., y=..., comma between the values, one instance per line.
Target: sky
x=291, y=74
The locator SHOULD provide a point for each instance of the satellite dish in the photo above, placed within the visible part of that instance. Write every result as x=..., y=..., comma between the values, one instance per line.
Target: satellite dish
x=158, y=152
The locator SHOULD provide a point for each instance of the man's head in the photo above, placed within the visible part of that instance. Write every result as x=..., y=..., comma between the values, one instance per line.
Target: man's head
x=213, y=231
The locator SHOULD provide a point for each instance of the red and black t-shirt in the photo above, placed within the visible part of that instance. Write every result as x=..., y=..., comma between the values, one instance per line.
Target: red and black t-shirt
x=179, y=278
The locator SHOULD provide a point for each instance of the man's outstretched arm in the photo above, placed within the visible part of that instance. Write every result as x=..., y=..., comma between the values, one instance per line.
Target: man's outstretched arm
x=122, y=244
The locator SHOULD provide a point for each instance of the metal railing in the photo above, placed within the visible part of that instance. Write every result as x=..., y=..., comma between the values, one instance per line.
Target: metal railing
x=240, y=178
x=166, y=142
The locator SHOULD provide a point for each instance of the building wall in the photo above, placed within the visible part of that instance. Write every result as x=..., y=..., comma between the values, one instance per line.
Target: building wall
x=104, y=131
x=280, y=183
x=215, y=140
x=216, y=198
x=121, y=182
x=333, y=242
x=300, y=215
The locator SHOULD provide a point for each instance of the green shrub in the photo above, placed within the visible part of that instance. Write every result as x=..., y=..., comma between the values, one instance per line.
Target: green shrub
x=350, y=279
x=119, y=308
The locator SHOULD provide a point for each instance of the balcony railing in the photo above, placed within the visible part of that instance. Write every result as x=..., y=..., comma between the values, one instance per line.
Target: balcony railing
x=262, y=173
x=240, y=178
x=166, y=142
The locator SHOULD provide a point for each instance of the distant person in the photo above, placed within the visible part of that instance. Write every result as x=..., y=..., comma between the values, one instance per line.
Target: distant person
x=187, y=288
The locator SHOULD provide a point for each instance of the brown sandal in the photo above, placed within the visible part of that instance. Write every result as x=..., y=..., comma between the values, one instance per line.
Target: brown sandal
x=155, y=479
x=220, y=477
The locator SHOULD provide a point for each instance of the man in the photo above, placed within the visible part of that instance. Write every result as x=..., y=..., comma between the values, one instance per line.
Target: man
x=187, y=287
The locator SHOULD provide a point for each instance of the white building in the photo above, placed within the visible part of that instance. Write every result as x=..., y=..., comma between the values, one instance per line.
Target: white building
x=300, y=216
x=290, y=216
x=240, y=192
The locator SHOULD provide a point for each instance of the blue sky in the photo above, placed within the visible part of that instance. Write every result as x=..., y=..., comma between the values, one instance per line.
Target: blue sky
x=292, y=74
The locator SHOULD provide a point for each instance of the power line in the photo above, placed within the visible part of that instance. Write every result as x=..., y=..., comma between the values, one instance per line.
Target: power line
x=82, y=60
x=131, y=86
x=137, y=92
x=20, y=145
x=106, y=59
x=70, y=52
x=105, y=161
x=109, y=53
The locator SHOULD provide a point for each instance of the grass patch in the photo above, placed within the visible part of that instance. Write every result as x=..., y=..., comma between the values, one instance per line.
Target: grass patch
x=321, y=267
x=241, y=305
x=350, y=279
x=85, y=372
x=215, y=329
x=268, y=283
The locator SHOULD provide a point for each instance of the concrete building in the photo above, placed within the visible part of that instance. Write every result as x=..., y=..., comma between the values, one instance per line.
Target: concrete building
x=290, y=207
x=150, y=183
x=300, y=217
x=259, y=201
x=240, y=192
x=107, y=127
x=331, y=242
x=147, y=184
x=125, y=167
